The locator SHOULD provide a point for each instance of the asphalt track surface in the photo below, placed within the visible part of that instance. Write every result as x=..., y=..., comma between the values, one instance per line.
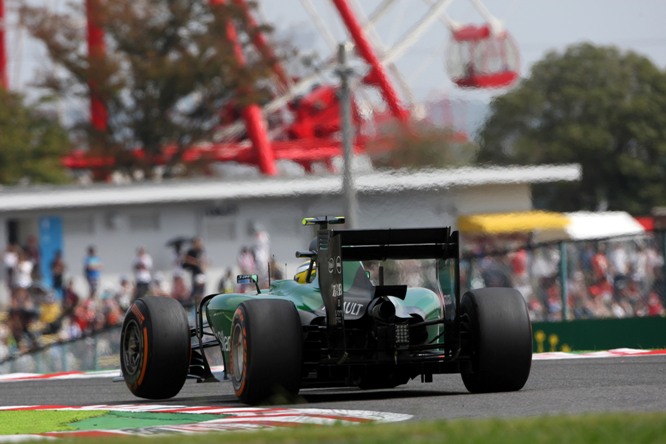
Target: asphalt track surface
x=569, y=386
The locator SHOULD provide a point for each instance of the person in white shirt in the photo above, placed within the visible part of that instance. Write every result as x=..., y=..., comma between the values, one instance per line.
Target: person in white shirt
x=142, y=265
x=10, y=260
x=24, y=269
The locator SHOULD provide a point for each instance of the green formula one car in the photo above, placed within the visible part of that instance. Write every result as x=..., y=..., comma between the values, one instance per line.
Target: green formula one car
x=384, y=308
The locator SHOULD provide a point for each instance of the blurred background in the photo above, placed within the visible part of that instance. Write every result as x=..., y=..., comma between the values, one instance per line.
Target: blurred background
x=136, y=137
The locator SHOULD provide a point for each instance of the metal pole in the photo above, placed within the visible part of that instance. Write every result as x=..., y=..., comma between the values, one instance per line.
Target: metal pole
x=350, y=204
x=564, y=280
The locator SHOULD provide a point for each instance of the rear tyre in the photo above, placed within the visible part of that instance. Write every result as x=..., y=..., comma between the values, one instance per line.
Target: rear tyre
x=500, y=340
x=266, y=350
x=155, y=347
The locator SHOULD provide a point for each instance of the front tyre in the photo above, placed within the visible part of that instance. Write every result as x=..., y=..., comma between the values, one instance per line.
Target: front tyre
x=500, y=340
x=266, y=350
x=155, y=347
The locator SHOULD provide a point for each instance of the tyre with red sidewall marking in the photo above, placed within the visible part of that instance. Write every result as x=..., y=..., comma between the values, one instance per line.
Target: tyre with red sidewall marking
x=501, y=340
x=266, y=350
x=155, y=347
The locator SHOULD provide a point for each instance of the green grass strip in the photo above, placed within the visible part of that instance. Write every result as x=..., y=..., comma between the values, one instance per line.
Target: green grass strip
x=634, y=428
x=586, y=429
x=114, y=420
x=40, y=421
x=14, y=422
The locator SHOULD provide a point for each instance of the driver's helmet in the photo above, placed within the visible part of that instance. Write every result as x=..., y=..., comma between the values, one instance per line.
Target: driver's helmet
x=302, y=272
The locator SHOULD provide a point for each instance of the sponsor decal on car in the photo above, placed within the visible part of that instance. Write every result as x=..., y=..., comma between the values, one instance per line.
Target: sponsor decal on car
x=353, y=308
x=225, y=341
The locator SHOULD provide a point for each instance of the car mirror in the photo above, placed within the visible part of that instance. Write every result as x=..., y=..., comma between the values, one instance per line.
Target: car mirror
x=249, y=279
x=309, y=254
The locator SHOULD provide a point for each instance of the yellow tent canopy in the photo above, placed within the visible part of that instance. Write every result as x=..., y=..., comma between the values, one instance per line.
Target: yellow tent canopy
x=517, y=222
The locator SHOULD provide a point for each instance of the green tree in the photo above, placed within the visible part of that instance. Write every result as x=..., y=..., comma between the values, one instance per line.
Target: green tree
x=167, y=72
x=595, y=106
x=31, y=143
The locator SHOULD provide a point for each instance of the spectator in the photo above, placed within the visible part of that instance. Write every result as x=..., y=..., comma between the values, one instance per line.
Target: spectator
x=654, y=305
x=70, y=329
x=246, y=262
x=124, y=294
x=24, y=269
x=276, y=270
x=50, y=315
x=57, y=274
x=4, y=342
x=159, y=286
x=70, y=299
x=10, y=260
x=143, y=268
x=90, y=315
x=111, y=311
x=32, y=250
x=246, y=265
x=261, y=251
x=600, y=267
x=519, y=266
x=177, y=245
x=22, y=314
x=179, y=290
x=194, y=262
x=227, y=283
x=92, y=269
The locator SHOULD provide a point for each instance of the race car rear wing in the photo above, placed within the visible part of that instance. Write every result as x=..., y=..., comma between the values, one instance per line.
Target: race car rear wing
x=401, y=243
x=389, y=243
x=337, y=246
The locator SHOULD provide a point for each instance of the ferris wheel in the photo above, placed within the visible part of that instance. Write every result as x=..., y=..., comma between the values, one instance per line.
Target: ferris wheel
x=383, y=34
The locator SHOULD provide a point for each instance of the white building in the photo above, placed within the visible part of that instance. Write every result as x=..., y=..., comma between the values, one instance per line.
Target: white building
x=119, y=218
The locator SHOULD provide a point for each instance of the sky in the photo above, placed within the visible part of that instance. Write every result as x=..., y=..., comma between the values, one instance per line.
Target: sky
x=538, y=26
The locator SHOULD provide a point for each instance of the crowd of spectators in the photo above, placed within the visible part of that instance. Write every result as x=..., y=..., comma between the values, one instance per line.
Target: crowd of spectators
x=38, y=316
x=604, y=279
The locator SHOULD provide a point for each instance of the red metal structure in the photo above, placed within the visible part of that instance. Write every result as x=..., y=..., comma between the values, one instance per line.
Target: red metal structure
x=311, y=134
x=4, y=80
x=252, y=114
x=96, y=50
x=478, y=57
x=483, y=56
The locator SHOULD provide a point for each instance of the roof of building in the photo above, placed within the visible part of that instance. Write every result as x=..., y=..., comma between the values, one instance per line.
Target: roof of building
x=62, y=197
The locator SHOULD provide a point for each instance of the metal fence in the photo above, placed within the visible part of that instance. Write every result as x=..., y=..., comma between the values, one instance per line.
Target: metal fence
x=609, y=278
x=99, y=351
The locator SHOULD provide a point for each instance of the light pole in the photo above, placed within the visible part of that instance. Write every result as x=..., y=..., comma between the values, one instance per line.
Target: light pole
x=349, y=192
